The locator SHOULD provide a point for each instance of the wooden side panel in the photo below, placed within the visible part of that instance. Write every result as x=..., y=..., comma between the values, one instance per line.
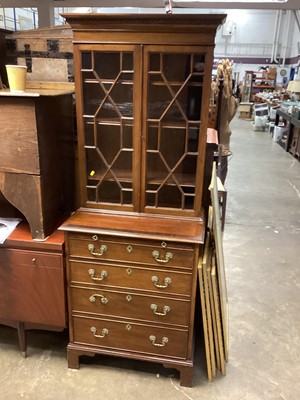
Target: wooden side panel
x=24, y=193
x=18, y=136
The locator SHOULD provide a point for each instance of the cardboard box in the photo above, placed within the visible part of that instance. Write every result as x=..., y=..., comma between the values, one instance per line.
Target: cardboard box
x=245, y=110
x=245, y=115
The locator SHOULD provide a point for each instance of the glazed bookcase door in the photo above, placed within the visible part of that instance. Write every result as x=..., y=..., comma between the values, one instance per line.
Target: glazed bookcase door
x=175, y=89
x=109, y=125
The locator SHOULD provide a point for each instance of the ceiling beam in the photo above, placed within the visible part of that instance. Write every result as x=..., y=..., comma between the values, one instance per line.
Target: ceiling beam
x=289, y=5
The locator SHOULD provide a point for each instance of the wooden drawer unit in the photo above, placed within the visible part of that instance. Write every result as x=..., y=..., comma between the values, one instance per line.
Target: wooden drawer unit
x=160, y=280
x=126, y=302
x=32, y=282
x=123, y=335
x=32, y=287
x=100, y=247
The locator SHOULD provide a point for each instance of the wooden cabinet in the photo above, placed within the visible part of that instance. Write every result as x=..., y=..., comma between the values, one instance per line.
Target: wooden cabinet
x=32, y=282
x=36, y=156
x=37, y=184
x=142, y=90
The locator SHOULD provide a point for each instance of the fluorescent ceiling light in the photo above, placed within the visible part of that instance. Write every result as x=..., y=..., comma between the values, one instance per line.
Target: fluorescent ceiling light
x=230, y=1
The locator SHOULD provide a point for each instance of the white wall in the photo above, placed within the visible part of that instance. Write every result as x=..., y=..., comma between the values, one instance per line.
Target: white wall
x=253, y=34
x=295, y=40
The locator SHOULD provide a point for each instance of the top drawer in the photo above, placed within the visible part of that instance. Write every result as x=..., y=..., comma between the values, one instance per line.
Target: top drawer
x=153, y=252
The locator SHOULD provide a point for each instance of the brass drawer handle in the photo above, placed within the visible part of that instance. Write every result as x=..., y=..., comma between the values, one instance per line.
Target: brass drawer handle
x=101, y=251
x=103, y=299
x=166, y=309
x=167, y=258
x=94, y=332
x=167, y=282
x=103, y=274
x=164, y=341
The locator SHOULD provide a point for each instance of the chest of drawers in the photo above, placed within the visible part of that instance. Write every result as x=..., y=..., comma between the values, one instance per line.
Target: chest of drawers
x=131, y=294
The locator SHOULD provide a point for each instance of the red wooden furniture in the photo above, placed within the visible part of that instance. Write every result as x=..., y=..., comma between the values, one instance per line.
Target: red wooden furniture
x=32, y=282
x=142, y=97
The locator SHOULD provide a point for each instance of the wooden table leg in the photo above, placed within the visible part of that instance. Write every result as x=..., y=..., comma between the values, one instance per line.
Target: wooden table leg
x=22, y=337
x=186, y=373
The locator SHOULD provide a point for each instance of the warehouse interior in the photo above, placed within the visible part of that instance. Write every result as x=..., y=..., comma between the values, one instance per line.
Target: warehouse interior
x=261, y=252
x=256, y=153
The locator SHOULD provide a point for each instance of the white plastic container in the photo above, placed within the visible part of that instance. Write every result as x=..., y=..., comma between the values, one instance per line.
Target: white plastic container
x=279, y=131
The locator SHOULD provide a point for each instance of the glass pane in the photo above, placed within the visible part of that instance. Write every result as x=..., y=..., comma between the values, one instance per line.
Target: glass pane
x=156, y=169
x=108, y=110
x=109, y=141
x=122, y=166
x=127, y=64
x=169, y=196
x=154, y=62
x=176, y=67
x=172, y=145
x=86, y=60
x=109, y=192
x=96, y=166
x=193, y=139
x=127, y=135
x=89, y=131
x=91, y=194
x=107, y=64
x=159, y=97
x=122, y=94
x=173, y=126
x=152, y=137
x=108, y=125
x=127, y=196
x=93, y=93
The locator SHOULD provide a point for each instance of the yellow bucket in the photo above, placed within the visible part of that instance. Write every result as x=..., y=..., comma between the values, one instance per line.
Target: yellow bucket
x=16, y=75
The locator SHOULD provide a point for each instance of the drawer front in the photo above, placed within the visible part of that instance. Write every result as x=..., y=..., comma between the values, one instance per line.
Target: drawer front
x=23, y=258
x=32, y=287
x=130, y=305
x=129, y=336
x=146, y=252
x=155, y=280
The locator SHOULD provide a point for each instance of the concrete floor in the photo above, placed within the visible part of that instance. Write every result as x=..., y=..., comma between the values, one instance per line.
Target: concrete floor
x=262, y=253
